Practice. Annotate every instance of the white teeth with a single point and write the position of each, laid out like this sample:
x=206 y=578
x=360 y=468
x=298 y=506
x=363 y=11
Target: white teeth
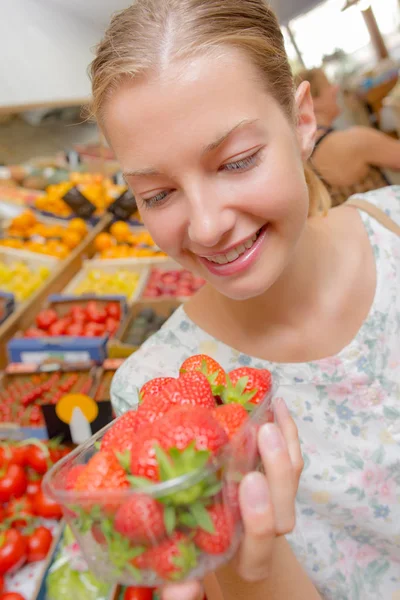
x=223 y=259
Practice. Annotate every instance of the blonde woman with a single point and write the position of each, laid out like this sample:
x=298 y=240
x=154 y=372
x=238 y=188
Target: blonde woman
x=349 y=161
x=197 y=100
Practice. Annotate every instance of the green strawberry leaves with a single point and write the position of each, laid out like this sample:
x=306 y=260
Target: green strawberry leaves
x=185 y=561
x=235 y=393
x=120 y=551
x=170 y=519
x=202 y=517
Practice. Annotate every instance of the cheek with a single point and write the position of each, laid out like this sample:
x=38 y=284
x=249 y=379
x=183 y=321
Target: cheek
x=165 y=227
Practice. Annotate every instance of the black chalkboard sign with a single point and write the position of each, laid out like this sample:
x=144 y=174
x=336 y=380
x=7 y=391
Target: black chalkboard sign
x=80 y=205
x=124 y=206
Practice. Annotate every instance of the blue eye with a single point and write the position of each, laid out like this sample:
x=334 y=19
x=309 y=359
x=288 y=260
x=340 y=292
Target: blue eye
x=241 y=165
x=155 y=199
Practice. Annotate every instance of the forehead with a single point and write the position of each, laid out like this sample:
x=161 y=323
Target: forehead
x=189 y=101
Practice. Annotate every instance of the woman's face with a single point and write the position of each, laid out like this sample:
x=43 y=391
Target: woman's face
x=216 y=168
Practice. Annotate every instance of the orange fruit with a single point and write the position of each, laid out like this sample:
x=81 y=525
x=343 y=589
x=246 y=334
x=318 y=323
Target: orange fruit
x=24 y=221
x=78 y=225
x=71 y=238
x=120 y=230
x=103 y=241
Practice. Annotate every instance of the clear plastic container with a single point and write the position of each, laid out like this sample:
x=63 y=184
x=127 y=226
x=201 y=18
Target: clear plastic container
x=185 y=550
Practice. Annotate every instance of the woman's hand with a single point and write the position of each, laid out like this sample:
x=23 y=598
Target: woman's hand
x=267 y=504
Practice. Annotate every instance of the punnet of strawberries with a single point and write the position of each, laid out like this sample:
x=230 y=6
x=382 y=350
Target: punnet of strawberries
x=154 y=496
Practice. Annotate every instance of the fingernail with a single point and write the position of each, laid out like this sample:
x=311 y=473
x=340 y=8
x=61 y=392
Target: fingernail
x=271 y=437
x=280 y=409
x=254 y=492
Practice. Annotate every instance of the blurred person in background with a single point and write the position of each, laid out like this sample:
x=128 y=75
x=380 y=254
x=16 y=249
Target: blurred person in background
x=349 y=161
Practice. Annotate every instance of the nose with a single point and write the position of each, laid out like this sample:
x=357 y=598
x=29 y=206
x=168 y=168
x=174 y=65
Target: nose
x=210 y=219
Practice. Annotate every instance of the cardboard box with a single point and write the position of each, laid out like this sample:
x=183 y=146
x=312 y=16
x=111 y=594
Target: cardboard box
x=64 y=348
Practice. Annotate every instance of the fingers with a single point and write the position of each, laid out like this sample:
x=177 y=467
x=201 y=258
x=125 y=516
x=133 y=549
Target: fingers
x=290 y=433
x=280 y=474
x=190 y=590
x=258 y=519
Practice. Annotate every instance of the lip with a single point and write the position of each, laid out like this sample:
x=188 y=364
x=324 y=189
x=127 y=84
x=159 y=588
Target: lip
x=244 y=261
x=226 y=250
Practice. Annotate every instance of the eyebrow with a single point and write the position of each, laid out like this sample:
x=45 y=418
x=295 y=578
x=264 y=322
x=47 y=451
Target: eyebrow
x=209 y=148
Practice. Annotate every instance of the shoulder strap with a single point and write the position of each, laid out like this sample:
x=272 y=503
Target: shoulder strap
x=376 y=213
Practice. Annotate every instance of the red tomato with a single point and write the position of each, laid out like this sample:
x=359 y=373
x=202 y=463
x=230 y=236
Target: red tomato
x=13 y=483
x=32 y=332
x=59 y=327
x=138 y=593
x=94 y=329
x=111 y=325
x=45 y=507
x=1 y=584
x=38 y=458
x=13 y=455
x=75 y=329
x=11 y=596
x=113 y=310
x=78 y=314
x=13 y=549
x=34 y=486
x=39 y=543
x=46 y=318
x=19 y=512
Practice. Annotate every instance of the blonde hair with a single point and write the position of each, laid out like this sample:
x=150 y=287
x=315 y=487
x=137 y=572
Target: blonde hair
x=150 y=33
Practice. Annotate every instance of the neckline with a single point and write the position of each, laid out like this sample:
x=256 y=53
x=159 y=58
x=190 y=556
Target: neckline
x=346 y=350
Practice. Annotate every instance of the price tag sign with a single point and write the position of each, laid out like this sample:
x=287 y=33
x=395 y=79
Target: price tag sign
x=79 y=204
x=124 y=206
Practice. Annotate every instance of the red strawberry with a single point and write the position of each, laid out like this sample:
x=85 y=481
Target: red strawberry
x=246 y=385
x=174 y=558
x=125 y=423
x=191 y=388
x=220 y=539
x=103 y=472
x=141 y=520
x=231 y=417
x=72 y=476
x=124 y=442
x=190 y=429
x=209 y=367
x=154 y=387
x=151 y=409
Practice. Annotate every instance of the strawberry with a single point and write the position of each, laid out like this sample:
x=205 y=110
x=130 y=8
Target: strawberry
x=209 y=367
x=125 y=423
x=141 y=520
x=153 y=387
x=124 y=442
x=183 y=440
x=72 y=476
x=231 y=417
x=151 y=409
x=191 y=388
x=246 y=386
x=103 y=472
x=174 y=558
x=218 y=541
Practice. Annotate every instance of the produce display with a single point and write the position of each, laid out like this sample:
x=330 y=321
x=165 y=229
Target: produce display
x=27 y=514
x=154 y=497
x=18 y=278
x=22 y=395
x=90 y=320
x=174 y=283
x=123 y=242
x=103 y=389
x=122 y=282
x=147 y=322
x=99 y=190
x=26 y=232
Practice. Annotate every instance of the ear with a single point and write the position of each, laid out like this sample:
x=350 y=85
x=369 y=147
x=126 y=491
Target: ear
x=306 y=123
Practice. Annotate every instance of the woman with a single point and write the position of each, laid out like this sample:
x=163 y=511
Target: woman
x=197 y=100
x=349 y=161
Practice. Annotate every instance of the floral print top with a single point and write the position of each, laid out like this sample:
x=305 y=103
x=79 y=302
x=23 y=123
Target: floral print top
x=347 y=409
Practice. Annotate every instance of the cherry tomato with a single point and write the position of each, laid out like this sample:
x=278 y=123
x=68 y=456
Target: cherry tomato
x=1 y=584
x=39 y=543
x=38 y=458
x=32 y=332
x=13 y=550
x=13 y=455
x=138 y=593
x=46 y=318
x=45 y=507
x=113 y=310
x=11 y=596
x=13 y=483
x=19 y=512
x=34 y=486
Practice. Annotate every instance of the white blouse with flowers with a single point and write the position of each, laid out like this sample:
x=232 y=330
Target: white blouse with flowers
x=347 y=409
